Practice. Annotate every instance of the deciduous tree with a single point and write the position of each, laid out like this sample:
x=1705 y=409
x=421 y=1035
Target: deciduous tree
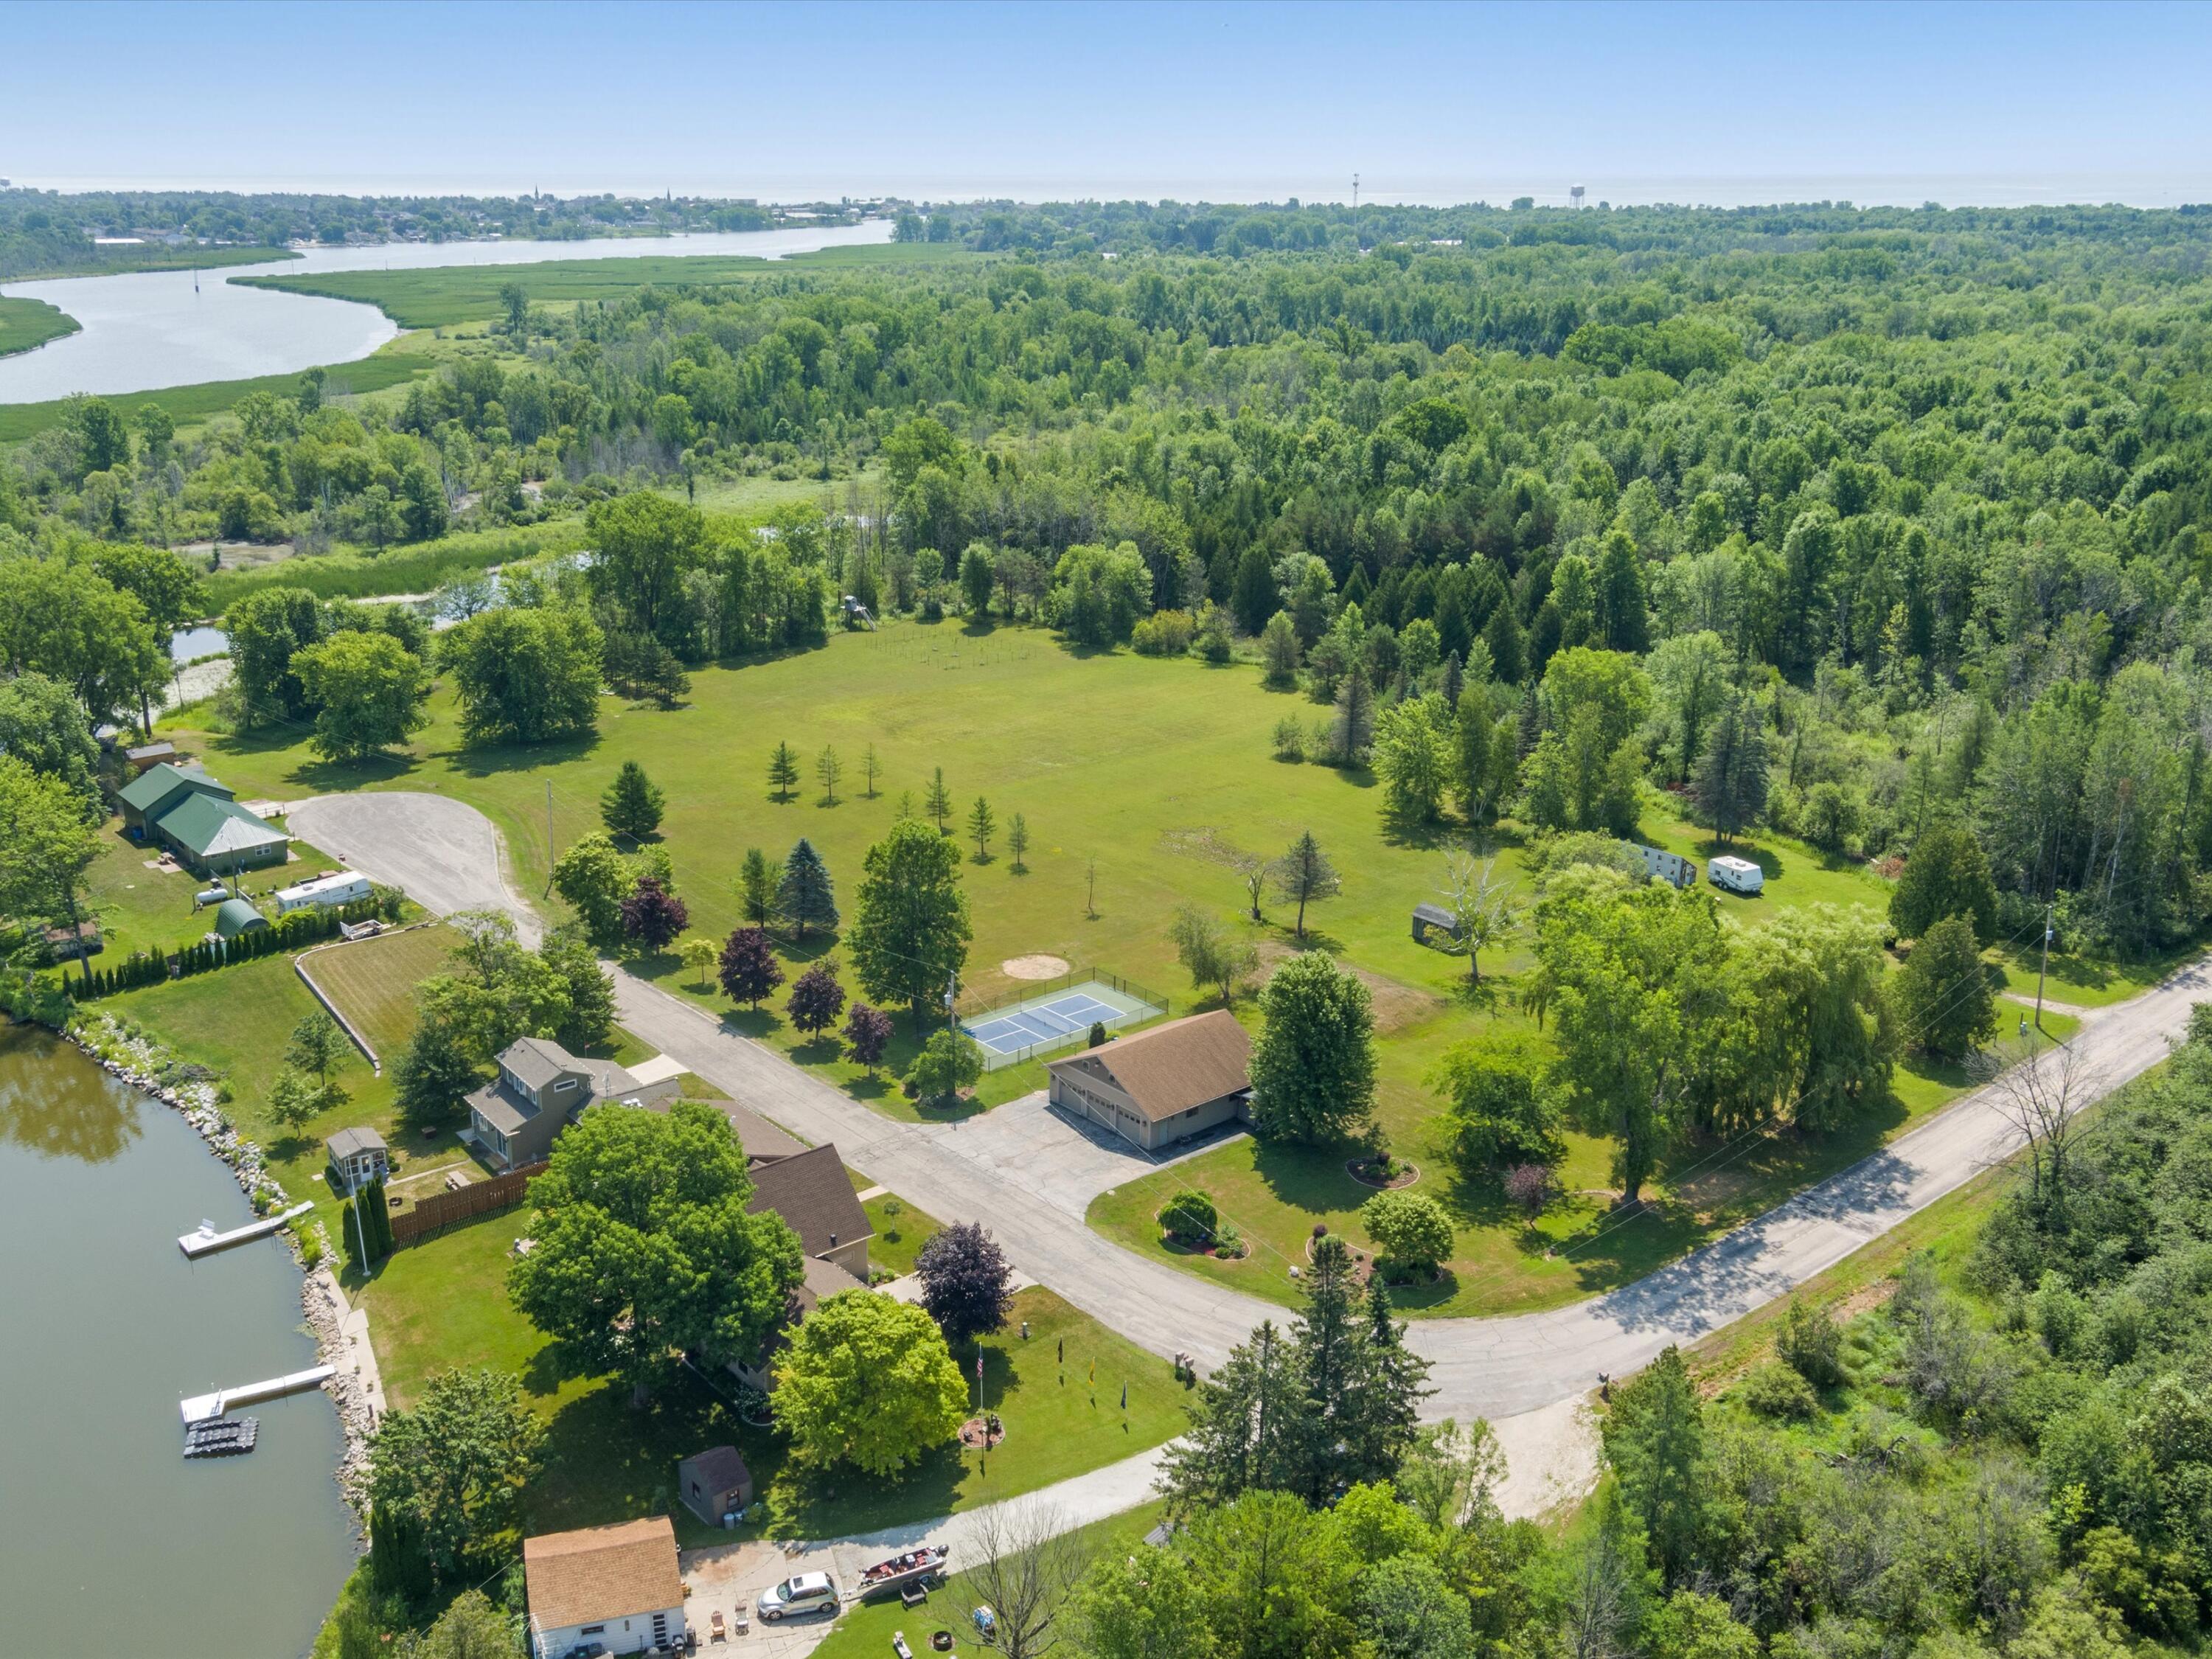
x=454 y=1464
x=526 y=673
x=652 y=916
x=868 y=1034
x=749 y=970
x=1943 y=997
x=757 y=882
x=47 y=842
x=867 y=1383
x=1209 y=955
x=645 y=1246
x=949 y=1062
x=967 y=1284
x=815 y=999
x=910 y=931
x=1313 y=1065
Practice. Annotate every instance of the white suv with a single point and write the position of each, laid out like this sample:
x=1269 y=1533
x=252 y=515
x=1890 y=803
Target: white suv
x=799 y=1596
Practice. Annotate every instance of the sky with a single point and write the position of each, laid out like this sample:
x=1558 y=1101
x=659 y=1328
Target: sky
x=1725 y=104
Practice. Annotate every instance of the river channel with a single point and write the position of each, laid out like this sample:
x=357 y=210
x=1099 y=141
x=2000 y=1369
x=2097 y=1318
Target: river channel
x=110 y=1541
x=151 y=329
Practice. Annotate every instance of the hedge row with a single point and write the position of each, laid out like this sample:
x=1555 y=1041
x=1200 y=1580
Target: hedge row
x=288 y=933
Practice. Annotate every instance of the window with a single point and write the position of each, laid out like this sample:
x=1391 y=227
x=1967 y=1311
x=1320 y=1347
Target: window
x=592 y=1630
x=564 y=1085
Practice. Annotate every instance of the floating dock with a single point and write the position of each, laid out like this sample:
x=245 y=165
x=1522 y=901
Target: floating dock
x=203 y=1408
x=232 y=1437
x=206 y=1241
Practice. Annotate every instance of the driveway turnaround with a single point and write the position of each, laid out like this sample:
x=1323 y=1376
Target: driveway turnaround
x=1022 y=1179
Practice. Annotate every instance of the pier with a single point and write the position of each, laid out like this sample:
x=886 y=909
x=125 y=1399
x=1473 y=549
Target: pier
x=205 y=1241
x=201 y=1407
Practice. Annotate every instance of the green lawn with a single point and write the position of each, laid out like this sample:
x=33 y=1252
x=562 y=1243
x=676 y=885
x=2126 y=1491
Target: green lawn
x=901 y=1231
x=25 y=325
x=443 y=1304
x=140 y=909
x=186 y=403
x=865 y=1632
x=1161 y=773
x=441 y=296
x=372 y=981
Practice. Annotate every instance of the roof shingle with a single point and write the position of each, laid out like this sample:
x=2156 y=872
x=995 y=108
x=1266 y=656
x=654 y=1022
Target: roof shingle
x=1174 y=1067
x=597 y=1573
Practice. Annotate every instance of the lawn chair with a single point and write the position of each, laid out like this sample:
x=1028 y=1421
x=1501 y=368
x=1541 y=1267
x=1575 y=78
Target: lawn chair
x=744 y=1618
x=715 y=1626
x=899 y=1646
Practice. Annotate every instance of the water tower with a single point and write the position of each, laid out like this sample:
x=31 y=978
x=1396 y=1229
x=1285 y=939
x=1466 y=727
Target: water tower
x=1575 y=195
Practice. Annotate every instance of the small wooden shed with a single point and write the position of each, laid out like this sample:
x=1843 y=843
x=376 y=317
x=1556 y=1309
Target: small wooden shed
x=714 y=1483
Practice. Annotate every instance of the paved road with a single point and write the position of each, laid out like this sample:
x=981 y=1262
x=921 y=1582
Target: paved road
x=1490 y=1368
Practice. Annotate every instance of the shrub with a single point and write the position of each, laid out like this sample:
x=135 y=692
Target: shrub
x=1777 y=1391
x=1811 y=1345
x=1289 y=738
x=1227 y=1244
x=1165 y=634
x=1191 y=1217
x=1408 y=1230
x=1529 y=1187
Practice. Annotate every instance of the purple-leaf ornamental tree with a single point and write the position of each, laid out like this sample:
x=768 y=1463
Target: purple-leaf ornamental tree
x=652 y=916
x=749 y=970
x=966 y=1285
x=816 y=999
x=868 y=1034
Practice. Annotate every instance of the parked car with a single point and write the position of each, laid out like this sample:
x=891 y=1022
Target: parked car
x=799 y=1596
x=1736 y=875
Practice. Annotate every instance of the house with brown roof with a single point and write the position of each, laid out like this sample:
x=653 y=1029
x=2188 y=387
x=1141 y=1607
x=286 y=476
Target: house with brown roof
x=813 y=1192
x=1161 y=1086
x=605 y=1589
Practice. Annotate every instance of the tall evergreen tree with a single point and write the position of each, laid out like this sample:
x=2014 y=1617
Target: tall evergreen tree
x=1305 y=876
x=782 y=770
x=938 y=801
x=1250 y=1428
x=1729 y=790
x=757 y=881
x=632 y=805
x=1655 y=1438
x=1254 y=598
x=1620 y=601
x=805 y=898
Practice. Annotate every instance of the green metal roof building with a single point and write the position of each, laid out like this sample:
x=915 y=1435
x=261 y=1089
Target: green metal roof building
x=235 y=916
x=156 y=790
x=218 y=837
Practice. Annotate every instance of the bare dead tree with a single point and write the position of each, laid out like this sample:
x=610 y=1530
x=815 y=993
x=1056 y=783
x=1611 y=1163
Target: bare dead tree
x=2044 y=1096
x=1024 y=1561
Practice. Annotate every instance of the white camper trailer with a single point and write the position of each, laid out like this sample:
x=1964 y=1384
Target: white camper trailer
x=323 y=893
x=1736 y=875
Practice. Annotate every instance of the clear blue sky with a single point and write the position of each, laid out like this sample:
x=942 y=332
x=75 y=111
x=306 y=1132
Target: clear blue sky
x=1983 y=102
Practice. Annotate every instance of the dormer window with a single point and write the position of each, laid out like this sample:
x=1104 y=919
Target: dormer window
x=564 y=1085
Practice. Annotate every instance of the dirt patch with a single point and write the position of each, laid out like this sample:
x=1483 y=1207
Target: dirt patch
x=1865 y=1299
x=1206 y=844
x=1708 y=1195
x=1396 y=1005
x=1039 y=966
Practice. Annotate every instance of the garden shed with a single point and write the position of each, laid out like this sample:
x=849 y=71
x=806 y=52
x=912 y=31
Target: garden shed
x=714 y=1483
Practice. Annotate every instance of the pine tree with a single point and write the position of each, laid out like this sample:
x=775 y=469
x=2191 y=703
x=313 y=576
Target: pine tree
x=938 y=803
x=1248 y=1428
x=805 y=898
x=783 y=771
x=1018 y=841
x=1303 y=876
x=980 y=825
x=1728 y=791
x=756 y=886
x=632 y=805
x=871 y=769
x=1455 y=680
x=1508 y=654
x=829 y=768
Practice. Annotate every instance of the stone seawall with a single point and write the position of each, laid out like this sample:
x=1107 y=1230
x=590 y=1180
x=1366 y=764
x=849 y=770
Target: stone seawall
x=142 y=1063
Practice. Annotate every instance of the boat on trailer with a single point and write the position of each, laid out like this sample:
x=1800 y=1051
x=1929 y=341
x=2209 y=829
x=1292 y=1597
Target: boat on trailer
x=916 y=1570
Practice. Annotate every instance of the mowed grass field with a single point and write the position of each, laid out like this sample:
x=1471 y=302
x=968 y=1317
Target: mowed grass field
x=1144 y=783
x=442 y=296
x=372 y=981
x=25 y=325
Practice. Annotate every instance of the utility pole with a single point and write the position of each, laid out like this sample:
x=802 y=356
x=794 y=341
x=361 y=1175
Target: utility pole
x=1355 y=195
x=2044 y=968
x=549 y=835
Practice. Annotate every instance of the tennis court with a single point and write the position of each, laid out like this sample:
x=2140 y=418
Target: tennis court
x=1055 y=1020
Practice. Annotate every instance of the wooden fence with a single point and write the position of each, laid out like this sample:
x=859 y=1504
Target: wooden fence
x=442 y=1210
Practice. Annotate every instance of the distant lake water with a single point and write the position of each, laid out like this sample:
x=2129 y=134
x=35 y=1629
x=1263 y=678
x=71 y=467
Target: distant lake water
x=110 y=1541
x=151 y=329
